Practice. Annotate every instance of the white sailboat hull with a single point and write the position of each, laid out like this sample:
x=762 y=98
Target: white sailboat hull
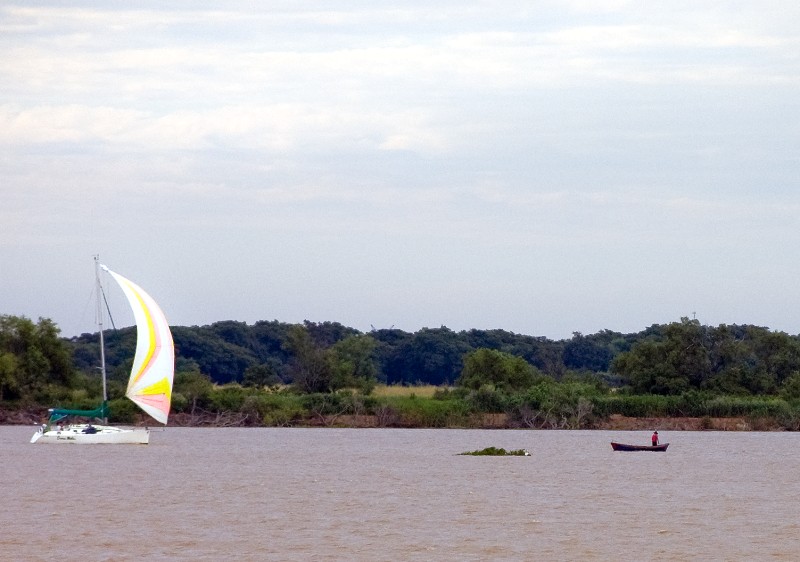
x=105 y=434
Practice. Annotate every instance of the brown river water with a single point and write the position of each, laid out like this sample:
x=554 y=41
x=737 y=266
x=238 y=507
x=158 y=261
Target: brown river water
x=394 y=494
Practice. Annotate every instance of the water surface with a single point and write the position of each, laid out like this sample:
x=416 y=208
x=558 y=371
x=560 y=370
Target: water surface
x=392 y=494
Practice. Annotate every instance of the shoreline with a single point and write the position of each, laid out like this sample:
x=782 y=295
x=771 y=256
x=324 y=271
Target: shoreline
x=615 y=422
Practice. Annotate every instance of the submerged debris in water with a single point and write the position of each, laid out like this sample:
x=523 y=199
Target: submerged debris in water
x=495 y=452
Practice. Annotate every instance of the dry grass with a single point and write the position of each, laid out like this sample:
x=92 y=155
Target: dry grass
x=423 y=391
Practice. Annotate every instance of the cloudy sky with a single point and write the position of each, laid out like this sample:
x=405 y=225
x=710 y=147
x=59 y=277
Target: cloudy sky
x=540 y=167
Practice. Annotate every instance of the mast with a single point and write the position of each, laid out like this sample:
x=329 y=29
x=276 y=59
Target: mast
x=99 y=290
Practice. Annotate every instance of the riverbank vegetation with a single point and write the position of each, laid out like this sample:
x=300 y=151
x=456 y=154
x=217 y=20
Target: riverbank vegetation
x=276 y=374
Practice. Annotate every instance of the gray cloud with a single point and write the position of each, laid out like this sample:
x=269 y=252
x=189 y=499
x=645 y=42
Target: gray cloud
x=541 y=168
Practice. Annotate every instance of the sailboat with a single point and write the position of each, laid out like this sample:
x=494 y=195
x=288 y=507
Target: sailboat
x=150 y=383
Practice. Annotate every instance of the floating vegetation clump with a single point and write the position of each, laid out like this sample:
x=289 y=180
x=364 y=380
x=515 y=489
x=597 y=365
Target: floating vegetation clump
x=495 y=452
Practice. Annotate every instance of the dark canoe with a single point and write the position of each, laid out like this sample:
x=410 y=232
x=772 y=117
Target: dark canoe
x=623 y=447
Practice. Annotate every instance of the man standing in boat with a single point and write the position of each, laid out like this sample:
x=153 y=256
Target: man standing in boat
x=654 y=438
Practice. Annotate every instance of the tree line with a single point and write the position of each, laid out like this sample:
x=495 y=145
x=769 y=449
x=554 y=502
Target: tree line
x=685 y=366
x=320 y=357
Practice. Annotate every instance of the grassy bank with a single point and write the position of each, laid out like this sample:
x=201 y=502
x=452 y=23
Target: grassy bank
x=547 y=406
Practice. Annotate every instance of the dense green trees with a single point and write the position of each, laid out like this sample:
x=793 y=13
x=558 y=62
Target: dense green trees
x=665 y=359
x=587 y=353
x=310 y=370
x=265 y=374
x=191 y=389
x=224 y=361
x=353 y=362
x=728 y=359
x=431 y=356
x=673 y=369
x=32 y=356
x=346 y=363
x=500 y=370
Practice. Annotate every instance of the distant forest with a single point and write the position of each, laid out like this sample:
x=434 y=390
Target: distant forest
x=662 y=359
x=272 y=373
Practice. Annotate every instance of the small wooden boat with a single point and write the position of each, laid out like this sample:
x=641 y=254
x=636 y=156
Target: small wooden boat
x=624 y=447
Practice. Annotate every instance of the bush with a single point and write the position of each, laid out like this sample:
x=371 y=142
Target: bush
x=635 y=405
x=416 y=412
x=228 y=398
x=324 y=404
x=692 y=404
x=274 y=409
x=488 y=400
x=124 y=411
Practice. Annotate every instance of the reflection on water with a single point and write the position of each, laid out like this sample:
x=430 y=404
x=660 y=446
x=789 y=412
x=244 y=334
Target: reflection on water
x=385 y=494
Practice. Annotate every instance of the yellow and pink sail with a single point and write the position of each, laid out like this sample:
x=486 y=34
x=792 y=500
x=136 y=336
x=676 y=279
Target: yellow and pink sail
x=150 y=384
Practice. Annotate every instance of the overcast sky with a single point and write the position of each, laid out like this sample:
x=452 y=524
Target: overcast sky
x=539 y=167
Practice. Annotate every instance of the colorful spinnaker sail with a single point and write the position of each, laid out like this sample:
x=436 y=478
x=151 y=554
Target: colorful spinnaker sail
x=150 y=384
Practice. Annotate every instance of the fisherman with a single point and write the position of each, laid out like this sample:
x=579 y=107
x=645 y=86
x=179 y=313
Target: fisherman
x=654 y=438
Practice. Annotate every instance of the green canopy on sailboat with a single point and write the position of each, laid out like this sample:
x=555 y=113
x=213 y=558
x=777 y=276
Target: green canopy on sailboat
x=60 y=413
